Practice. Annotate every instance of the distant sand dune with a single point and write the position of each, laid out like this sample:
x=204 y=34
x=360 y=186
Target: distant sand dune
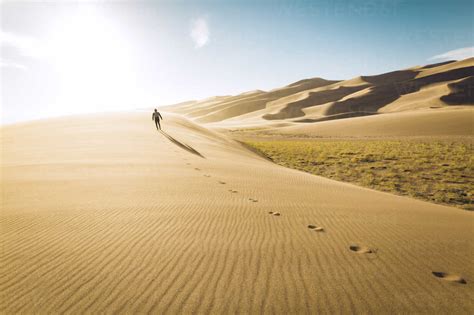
x=212 y=110
x=425 y=122
x=103 y=214
x=315 y=100
x=462 y=92
x=294 y=109
x=390 y=77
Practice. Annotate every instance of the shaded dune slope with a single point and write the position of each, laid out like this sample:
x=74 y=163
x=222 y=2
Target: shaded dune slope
x=462 y=92
x=103 y=214
x=212 y=110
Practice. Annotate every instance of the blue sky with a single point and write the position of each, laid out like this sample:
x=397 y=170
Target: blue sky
x=72 y=56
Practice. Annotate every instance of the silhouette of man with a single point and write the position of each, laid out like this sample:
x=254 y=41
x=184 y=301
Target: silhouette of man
x=156 y=117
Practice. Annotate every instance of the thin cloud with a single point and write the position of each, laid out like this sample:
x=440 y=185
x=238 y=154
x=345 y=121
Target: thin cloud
x=457 y=54
x=200 y=32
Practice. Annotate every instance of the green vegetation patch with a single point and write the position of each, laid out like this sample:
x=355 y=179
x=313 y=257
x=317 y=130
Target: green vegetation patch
x=437 y=171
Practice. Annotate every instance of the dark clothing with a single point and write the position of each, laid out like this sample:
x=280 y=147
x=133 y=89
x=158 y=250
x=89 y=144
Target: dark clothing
x=156 y=116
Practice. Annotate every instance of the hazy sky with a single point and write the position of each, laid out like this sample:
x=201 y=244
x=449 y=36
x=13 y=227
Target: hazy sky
x=80 y=56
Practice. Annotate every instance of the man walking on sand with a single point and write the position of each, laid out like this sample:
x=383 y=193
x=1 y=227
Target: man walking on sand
x=156 y=117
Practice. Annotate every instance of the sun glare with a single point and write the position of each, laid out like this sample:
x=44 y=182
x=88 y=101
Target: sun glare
x=94 y=62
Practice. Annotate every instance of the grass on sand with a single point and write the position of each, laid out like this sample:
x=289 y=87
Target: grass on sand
x=437 y=171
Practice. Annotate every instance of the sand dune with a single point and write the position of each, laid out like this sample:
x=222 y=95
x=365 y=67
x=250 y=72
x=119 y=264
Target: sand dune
x=461 y=92
x=457 y=121
x=103 y=214
x=315 y=100
x=221 y=108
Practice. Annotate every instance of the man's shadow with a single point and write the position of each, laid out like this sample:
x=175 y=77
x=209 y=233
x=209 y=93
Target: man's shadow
x=180 y=144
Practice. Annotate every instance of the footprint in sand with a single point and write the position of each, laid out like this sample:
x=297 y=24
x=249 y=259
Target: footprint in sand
x=449 y=277
x=315 y=228
x=207 y=175
x=274 y=213
x=253 y=200
x=188 y=163
x=362 y=249
x=221 y=182
x=233 y=191
x=197 y=168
